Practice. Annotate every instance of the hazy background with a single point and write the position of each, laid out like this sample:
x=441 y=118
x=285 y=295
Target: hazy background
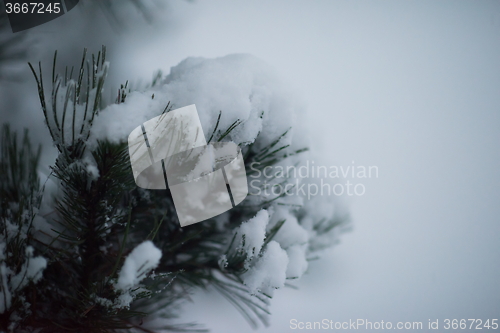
x=412 y=87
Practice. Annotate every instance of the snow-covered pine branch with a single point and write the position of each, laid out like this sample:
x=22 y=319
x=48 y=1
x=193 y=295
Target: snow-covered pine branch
x=102 y=235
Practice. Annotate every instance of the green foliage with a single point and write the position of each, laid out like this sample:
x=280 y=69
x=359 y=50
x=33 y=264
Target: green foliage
x=19 y=201
x=100 y=216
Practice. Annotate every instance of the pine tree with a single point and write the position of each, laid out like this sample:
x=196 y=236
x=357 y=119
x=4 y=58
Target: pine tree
x=67 y=270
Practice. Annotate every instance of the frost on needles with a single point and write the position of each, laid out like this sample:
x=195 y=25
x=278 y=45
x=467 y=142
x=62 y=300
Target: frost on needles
x=92 y=252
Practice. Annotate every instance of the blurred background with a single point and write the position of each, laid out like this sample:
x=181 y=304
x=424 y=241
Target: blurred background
x=412 y=87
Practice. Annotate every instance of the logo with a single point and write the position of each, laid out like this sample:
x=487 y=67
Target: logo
x=28 y=14
x=170 y=152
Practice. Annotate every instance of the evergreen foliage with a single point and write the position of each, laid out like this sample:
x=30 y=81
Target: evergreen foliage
x=100 y=216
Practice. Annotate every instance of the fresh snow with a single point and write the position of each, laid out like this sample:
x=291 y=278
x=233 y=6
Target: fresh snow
x=297 y=264
x=253 y=232
x=143 y=258
x=291 y=232
x=269 y=272
x=240 y=85
x=243 y=88
x=11 y=283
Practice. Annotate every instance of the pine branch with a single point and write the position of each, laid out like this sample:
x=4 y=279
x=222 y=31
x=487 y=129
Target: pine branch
x=101 y=217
